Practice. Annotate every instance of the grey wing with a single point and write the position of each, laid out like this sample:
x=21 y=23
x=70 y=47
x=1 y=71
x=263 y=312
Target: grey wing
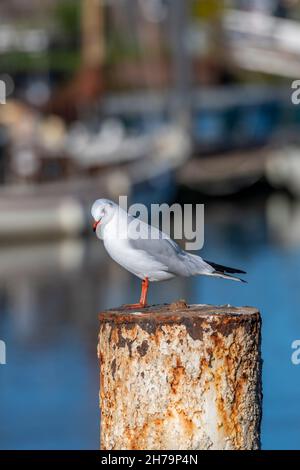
x=169 y=253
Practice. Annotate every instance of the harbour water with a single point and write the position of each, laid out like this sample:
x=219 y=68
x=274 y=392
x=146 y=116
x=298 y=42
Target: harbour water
x=50 y=294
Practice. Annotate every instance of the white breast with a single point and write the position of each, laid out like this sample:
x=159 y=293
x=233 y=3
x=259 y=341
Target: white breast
x=135 y=261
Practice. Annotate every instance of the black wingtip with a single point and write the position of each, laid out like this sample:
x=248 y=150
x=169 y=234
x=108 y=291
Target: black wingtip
x=225 y=269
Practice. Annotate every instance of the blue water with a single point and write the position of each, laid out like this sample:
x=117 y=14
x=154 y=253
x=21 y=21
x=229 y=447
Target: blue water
x=50 y=295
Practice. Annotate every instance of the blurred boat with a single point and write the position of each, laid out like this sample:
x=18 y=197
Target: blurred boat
x=226 y=173
x=264 y=43
x=54 y=175
x=236 y=132
x=283 y=170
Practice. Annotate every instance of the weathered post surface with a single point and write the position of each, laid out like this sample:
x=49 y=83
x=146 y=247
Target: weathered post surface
x=180 y=377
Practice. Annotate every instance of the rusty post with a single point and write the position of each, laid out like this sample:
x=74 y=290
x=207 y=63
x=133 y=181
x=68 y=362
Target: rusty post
x=180 y=377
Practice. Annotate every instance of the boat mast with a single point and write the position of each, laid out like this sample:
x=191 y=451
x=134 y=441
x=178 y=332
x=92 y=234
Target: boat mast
x=92 y=33
x=180 y=63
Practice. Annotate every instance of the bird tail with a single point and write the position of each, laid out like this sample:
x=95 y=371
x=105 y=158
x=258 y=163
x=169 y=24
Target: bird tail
x=225 y=272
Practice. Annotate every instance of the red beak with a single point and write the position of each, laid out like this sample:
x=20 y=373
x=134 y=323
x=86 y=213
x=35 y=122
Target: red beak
x=95 y=225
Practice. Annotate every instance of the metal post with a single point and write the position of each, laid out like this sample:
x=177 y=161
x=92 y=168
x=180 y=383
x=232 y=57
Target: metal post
x=180 y=377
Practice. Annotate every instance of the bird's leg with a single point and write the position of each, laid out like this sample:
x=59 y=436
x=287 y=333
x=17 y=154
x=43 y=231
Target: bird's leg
x=143 y=299
x=145 y=286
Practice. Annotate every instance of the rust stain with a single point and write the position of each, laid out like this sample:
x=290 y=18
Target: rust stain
x=143 y=348
x=101 y=357
x=113 y=368
x=194 y=328
x=229 y=414
x=138 y=436
x=177 y=375
x=226 y=326
x=114 y=335
x=187 y=424
x=123 y=342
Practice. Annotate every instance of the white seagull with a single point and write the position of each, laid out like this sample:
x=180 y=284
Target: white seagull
x=147 y=252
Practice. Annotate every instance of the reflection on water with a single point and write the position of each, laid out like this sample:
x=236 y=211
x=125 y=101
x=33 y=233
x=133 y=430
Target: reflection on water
x=50 y=295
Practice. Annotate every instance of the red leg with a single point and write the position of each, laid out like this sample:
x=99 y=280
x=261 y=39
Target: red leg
x=143 y=299
x=145 y=286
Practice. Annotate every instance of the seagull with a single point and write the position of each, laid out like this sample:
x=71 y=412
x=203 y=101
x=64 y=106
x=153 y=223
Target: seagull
x=146 y=252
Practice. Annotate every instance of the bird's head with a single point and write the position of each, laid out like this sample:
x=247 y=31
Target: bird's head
x=102 y=212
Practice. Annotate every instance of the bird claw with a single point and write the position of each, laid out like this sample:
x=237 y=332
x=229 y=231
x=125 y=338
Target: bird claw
x=133 y=306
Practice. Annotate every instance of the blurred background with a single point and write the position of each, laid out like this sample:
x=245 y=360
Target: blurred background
x=163 y=101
